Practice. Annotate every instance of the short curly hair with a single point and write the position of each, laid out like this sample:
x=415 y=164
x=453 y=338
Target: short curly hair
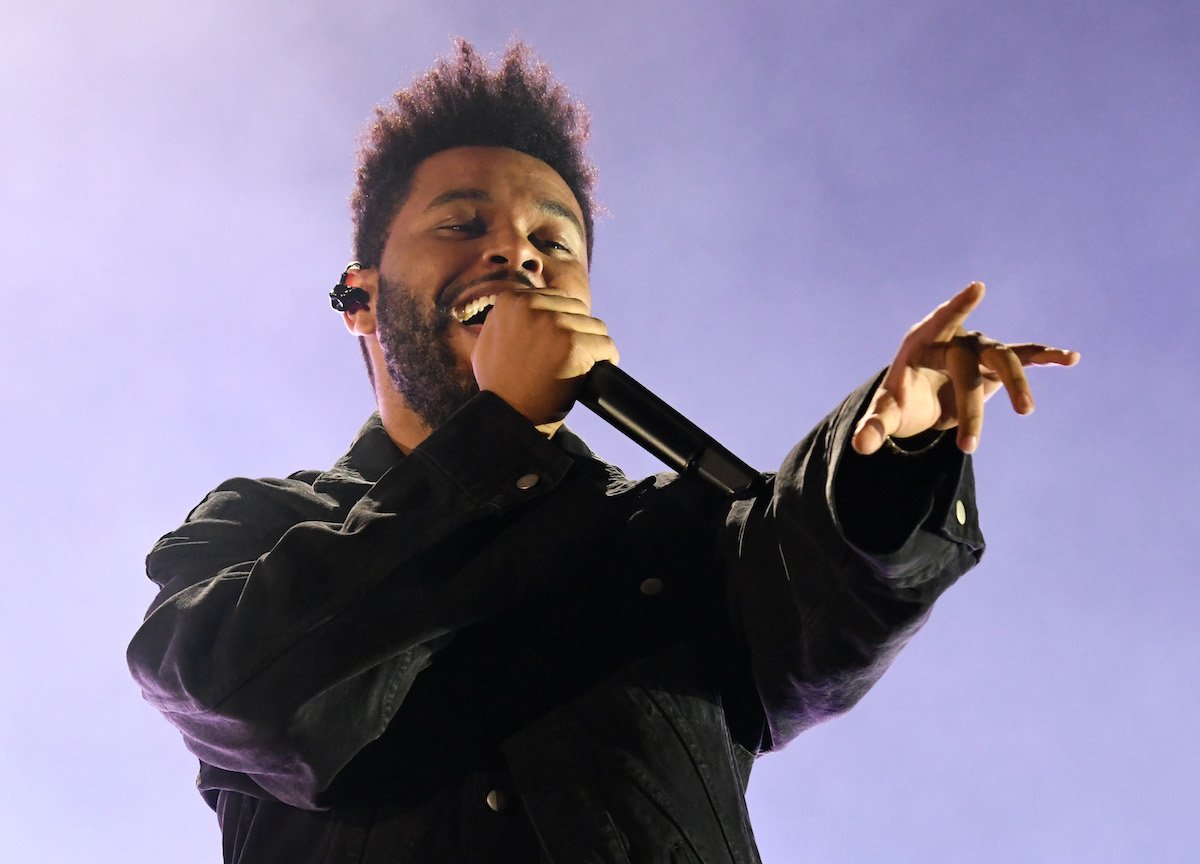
x=461 y=103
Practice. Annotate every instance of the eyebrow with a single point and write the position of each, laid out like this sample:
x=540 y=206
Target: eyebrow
x=545 y=205
x=554 y=208
x=459 y=195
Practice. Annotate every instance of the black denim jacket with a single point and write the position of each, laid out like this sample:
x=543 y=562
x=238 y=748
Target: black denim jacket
x=499 y=649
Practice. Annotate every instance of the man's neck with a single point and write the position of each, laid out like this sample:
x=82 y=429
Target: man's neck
x=402 y=424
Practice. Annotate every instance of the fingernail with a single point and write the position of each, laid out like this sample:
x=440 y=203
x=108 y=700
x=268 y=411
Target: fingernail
x=970 y=443
x=1025 y=403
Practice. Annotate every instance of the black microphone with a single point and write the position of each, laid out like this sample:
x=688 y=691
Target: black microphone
x=656 y=426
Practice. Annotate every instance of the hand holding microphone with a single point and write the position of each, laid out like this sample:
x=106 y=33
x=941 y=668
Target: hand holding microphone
x=535 y=348
x=559 y=342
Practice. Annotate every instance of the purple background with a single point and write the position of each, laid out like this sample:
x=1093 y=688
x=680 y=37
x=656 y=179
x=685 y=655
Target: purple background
x=789 y=186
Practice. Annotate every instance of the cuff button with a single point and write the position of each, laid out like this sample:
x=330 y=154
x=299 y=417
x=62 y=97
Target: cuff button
x=960 y=512
x=527 y=481
x=651 y=587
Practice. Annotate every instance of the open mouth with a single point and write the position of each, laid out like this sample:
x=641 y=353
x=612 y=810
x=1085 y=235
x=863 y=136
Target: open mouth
x=475 y=312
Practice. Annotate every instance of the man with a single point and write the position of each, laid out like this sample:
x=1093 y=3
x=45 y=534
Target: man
x=471 y=641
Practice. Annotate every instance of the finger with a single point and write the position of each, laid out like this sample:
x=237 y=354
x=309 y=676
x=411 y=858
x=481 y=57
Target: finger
x=947 y=319
x=969 y=395
x=568 y=313
x=880 y=421
x=532 y=299
x=1032 y=354
x=580 y=323
x=588 y=350
x=554 y=302
x=1004 y=362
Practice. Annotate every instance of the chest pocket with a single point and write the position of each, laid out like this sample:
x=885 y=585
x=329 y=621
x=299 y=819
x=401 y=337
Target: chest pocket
x=662 y=567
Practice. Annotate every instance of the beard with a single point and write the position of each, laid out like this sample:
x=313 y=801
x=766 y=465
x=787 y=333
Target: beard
x=420 y=360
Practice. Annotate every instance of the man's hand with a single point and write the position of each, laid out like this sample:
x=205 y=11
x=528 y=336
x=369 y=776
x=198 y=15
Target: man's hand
x=534 y=350
x=942 y=375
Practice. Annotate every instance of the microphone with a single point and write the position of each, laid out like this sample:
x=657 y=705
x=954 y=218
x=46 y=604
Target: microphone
x=652 y=423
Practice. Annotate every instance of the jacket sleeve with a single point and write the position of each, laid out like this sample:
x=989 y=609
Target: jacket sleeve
x=836 y=565
x=280 y=649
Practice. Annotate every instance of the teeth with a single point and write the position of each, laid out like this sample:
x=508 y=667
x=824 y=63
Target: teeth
x=473 y=308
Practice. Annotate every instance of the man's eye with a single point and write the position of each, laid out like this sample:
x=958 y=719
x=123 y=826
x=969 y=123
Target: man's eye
x=551 y=243
x=470 y=226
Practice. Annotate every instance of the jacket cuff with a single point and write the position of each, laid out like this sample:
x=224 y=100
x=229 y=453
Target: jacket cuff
x=898 y=508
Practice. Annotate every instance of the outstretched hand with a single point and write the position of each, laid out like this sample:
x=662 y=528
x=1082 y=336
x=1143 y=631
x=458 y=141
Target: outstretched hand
x=943 y=374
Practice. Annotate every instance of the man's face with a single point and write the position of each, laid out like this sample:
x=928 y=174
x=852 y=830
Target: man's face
x=478 y=221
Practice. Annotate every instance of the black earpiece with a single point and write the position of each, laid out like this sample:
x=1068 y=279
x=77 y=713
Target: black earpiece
x=343 y=298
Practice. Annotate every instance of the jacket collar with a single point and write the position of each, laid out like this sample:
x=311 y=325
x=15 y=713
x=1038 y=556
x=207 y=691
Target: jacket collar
x=369 y=457
x=373 y=453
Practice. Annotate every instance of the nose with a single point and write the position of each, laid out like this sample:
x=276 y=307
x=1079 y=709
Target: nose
x=515 y=250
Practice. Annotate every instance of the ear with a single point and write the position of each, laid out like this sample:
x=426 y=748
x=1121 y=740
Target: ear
x=361 y=322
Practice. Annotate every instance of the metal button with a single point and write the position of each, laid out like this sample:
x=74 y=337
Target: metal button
x=496 y=800
x=960 y=512
x=527 y=481
x=651 y=586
